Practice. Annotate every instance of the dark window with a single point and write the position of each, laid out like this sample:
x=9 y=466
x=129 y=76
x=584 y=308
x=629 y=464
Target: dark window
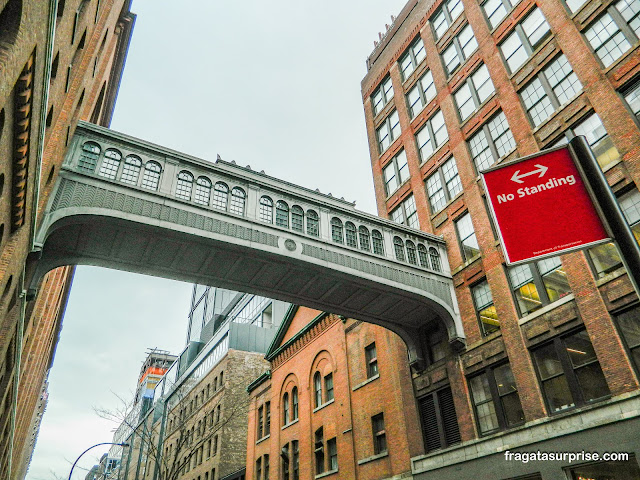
x=629 y=327
x=285 y=409
x=297 y=218
x=365 y=241
x=439 y=420
x=351 y=235
x=89 y=157
x=267 y=418
x=336 y=230
x=282 y=214
x=379 y=434
x=569 y=372
x=260 y=422
x=328 y=385
x=332 y=449
x=313 y=223
x=378 y=242
x=317 y=389
x=296 y=460
x=618 y=470
x=294 y=403
x=372 y=360
x=259 y=469
x=266 y=467
x=286 y=461
x=266 y=209
x=496 y=400
x=319 y=451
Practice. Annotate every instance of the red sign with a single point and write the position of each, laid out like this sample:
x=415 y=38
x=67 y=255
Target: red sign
x=541 y=207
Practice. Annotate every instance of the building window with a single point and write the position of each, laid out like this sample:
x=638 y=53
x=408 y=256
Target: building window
x=131 y=170
x=435 y=345
x=332 y=449
x=467 y=238
x=395 y=173
x=398 y=247
x=267 y=418
x=89 y=157
x=184 y=185
x=569 y=371
x=388 y=131
x=328 y=386
x=553 y=87
x=613 y=33
x=475 y=90
x=485 y=309
x=525 y=38
x=313 y=223
x=629 y=327
x=382 y=95
x=574 y=5
x=336 y=230
x=259 y=469
x=319 y=451
x=282 y=214
x=266 y=467
x=421 y=94
x=379 y=434
x=538 y=284
x=294 y=403
x=317 y=389
x=296 y=460
x=612 y=470
x=630 y=205
x=496 y=10
x=365 y=239
x=203 y=191
x=460 y=48
x=237 y=201
x=495 y=399
x=260 y=422
x=492 y=142
x=447 y=14
x=412 y=58
x=110 y=164
x=266 y=209
x=378 y=242
x=372 y=360
x=151 y=176
x=632 y=97
x=443 y=185
x=432 y=136
x=435 y=259
x=297 y=219
x=600 y=142
x=284 y=455
x=220 y=196
x=351 y=235
x=406 y=214
x=439 y=420
x=285 y=409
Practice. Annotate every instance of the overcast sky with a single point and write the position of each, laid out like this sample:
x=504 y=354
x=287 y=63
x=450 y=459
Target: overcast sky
x=270 y=84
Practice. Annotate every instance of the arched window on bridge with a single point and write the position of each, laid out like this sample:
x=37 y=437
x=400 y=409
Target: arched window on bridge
x=435 y=259
x=131 y=170
x=313 y=223
x=365 y=240
x=411 y=253
x=203 y=191
x=398 y=247
x=110 y=164
x=378 y=242
x=89 y=157
x=184 y=186
x=220 y=196
x=282 y=214
x=151 y=177
x=297 y=218
x=336 y=230
x=352 y=237
x=237 y=201
x=422 y=256
x=266 y=209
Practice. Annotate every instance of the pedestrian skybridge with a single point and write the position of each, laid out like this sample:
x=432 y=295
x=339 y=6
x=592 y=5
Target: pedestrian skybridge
x=123 y=203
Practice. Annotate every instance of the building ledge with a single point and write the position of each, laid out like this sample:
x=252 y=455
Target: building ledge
x=326 y=474
x=368 y=380
x=547 y=308
x=324 y=405
x=621 y=408
x=289 y=424
x=263 y=439
x=373 y=458
x=611 y=276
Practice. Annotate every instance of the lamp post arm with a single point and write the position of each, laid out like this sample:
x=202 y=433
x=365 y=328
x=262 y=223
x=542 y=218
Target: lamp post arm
x=96 y=445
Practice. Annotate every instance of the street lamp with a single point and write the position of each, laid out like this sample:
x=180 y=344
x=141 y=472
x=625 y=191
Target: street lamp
x=96 y=445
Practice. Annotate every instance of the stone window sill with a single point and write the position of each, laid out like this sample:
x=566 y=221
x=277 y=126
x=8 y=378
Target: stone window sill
x=368 y=380
x=373 y=458
x=289 y=424
x=322 y=406
x=326 y=474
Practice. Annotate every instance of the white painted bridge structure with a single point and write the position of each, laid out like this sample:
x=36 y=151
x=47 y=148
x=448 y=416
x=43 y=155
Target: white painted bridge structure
x=123 y=203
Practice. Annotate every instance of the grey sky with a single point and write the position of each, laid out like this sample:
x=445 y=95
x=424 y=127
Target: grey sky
x=274 y=85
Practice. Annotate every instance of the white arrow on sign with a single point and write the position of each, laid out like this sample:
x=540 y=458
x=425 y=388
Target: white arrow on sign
x=541 y=170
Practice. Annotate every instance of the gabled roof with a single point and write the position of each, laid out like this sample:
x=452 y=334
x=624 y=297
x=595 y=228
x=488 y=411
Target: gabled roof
x=276 y=345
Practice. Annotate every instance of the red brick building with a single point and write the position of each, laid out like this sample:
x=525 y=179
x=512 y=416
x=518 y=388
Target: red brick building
x=60 y=62
x=335 y=403
x=552 y=358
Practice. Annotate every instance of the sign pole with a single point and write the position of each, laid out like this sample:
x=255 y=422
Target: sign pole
x=612 y=215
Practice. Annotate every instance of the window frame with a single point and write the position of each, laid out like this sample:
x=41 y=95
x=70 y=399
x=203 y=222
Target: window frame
x=371 y=359
x=401 y=210
x=459 y=49
x=445 y=10
x=379 y=433
x=393 y=131
x=525 y=42
x=479 y=308
x=629 y=35
x=422 y=95
x=466 y=256
x=410 y=53
x=444 y=185
x=398 y=172
x=432 y=137
x=469 y=82
x=386 y=95
x=492 y=147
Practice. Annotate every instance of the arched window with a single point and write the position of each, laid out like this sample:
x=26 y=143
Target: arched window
x=238 y=198
x=398 y=247
x=203 y=191
x=297 y=219
x=411 y=253
x=422 y=256
x=220 y=196
x=313 y=223
x=317 y=389
x=266 y=209
x=378 y=243
x=352 y=238
x=282 y=214
x=294 y=403
x=151 y=177
x=435 y=259
x=365 y=240
x=184 y=186
x=285 y=409
x=336 y=230
x=131 y=170
x=89 y=157
x=110 y=164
